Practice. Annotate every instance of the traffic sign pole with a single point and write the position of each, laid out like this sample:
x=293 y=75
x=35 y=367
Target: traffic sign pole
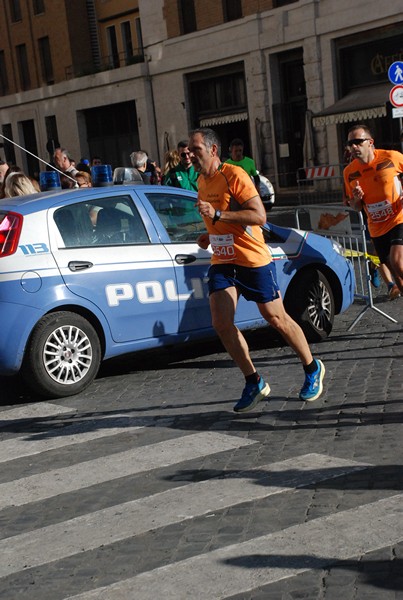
x=395 y=74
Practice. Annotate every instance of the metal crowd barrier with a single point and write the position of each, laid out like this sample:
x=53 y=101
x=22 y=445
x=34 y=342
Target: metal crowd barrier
x=321 y=184
x=347 y=227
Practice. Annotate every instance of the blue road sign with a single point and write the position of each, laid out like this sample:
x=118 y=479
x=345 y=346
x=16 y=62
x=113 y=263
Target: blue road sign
x=395 y=72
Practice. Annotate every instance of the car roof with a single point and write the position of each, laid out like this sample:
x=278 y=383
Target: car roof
x=43 y=200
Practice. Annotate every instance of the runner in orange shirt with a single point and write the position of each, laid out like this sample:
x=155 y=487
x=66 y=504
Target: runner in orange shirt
x=241 y=264
x=372 y=182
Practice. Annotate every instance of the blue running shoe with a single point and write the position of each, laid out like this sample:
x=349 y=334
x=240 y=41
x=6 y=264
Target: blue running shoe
x=313 y=387
x=375 y=279
x=251 y=395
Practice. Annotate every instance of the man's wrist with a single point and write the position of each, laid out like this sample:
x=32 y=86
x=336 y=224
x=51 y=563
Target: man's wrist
x=356 y=203
x=217 y=216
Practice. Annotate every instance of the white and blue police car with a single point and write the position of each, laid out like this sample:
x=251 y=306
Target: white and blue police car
x=91 y=274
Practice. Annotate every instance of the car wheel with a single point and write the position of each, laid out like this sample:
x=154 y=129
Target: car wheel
x=63 y=355
x=310 y=302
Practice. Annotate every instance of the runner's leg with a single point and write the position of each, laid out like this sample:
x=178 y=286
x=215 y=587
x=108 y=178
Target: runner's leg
x=223 y=305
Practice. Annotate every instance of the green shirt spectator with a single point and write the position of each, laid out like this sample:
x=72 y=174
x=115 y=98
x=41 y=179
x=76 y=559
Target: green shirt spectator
x=237 y=158
x=183 y=175
x=248 y=165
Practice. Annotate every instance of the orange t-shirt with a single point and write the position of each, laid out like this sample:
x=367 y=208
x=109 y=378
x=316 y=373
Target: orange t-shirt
x=227 y=190
x=382 y=187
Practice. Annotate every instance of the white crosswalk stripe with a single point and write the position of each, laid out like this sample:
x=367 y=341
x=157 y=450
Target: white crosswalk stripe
x=107 y=468
x=85 y=431
x=220 y=573
x=139 y=516
x=39 y=410
x=240 y=568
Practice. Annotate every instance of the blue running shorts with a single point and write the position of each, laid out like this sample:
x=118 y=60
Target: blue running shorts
x=257 y=284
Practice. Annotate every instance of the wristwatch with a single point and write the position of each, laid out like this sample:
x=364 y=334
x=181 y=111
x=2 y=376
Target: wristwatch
x=217 y=216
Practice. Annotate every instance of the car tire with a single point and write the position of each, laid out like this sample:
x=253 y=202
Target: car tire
x=310 y=302
x=63 y=355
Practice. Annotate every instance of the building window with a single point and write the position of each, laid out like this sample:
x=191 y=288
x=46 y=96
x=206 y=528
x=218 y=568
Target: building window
x=225 y=93
x=232 y=10
x=46 y=60
x=15 y=9
x=127 y=41
x=187 y=16
x=278 y=3
x=38 y=6
x=112 y=47
x=3 y=75
x=25 y=80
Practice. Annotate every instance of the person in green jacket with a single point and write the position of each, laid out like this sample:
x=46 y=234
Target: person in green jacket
x=237 y=158
x=183 y=175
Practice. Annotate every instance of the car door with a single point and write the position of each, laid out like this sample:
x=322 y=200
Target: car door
x=106 y=255
x=183 y=224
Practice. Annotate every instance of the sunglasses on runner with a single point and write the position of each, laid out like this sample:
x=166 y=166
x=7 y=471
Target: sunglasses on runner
x=357 y=142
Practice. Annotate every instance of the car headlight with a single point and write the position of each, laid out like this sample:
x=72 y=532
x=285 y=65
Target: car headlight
x=338 y=248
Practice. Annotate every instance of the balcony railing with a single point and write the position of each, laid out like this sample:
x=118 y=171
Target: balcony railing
x=105 y=63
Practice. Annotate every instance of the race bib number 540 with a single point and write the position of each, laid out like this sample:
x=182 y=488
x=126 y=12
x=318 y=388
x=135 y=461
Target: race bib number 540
x=223 y=246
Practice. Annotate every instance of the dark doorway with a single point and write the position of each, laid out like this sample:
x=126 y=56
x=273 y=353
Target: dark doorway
x=112 y=132
x=289 y=117
x=228 y=131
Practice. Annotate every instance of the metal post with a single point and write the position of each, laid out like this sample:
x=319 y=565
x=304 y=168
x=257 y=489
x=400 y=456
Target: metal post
x=356 y=245
x=369 y=298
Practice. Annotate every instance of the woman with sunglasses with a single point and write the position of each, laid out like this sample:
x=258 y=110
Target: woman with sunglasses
x=372 y=182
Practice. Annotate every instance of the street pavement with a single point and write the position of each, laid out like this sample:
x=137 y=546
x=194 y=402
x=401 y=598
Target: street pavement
x=149 y=486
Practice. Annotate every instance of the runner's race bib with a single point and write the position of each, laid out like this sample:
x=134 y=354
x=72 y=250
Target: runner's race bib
x=223 y=246
x=380 y=211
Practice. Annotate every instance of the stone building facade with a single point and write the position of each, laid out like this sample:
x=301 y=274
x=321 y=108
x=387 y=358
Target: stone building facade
x=106 y=77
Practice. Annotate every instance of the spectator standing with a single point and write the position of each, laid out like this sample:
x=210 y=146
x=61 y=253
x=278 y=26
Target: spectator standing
x=18 y=184
x=96 y=160
x=12 y=169
x=372 y=182
x=238 y=159
x=183 y=175
x=171 y=160
x=67 y=183
x=153 y=171
x=139 y=162
x=156 y=176
x=84 y=165
x=83 y=179
x=3 y=170
x=242 y=264
x=63 y=162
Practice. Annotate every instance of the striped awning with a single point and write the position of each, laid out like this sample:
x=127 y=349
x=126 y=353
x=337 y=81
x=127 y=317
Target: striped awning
x=223 y=119
x=359 y=105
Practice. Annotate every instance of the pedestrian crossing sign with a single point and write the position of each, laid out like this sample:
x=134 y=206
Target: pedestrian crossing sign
x=395 y=72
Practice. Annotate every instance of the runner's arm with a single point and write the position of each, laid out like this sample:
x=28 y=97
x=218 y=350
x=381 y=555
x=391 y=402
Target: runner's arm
x=251 y=212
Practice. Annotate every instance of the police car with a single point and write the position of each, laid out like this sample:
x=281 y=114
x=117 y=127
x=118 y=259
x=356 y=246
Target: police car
x=90 y=274
x=266 y=191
